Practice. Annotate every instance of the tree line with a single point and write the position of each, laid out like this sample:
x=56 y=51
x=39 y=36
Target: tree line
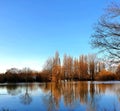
x=83 y=68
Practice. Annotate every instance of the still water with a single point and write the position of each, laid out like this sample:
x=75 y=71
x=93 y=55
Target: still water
x=69 y=96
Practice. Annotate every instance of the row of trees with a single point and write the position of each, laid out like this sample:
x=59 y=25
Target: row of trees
x=85 y=67
x=82 y=68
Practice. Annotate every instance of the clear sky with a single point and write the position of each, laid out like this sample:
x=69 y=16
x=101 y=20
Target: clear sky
x=32 y=30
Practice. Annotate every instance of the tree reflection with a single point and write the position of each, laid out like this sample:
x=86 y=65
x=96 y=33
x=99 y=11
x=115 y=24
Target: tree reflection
x=74 y=93
x=6 y=109
x=48 y=98
x=92 y=102
x=83 y=92
x=117 y=91
x=13 y=89
x=68 y=94
x=71 y=92
x=26 y=99
x=53 y=95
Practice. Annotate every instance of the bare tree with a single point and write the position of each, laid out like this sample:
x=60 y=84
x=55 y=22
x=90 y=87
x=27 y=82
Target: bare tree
x=65 y=72
x=56 y=60
x=70 y=67
x=106 y=36
x=92 y=65
x=56 y=70
x=26 y=71
x=118 y=70
x=48 y=65
x=83 y=66
x=76 y=69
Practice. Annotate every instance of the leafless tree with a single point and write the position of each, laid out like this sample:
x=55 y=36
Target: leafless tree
x=48 y=65
x=92 y=65
x=106 y=36
x=118 y=70
x=83 y=66
x=56 y=69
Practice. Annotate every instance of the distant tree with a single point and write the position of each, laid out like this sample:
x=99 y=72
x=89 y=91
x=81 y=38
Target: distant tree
x=11 y=75
x=106 y=36
x=100 y=66
x=56 y=69
x=56 y=59
x=76 y=69
x=83 y=66
x=118 y=70
x=64 y=68
x=27 y=73
x=70 y=67
x=48 y=66
x=12 y=71
x=92 y=65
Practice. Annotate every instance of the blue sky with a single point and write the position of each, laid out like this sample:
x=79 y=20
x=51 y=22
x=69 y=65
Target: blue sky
x=32 y=30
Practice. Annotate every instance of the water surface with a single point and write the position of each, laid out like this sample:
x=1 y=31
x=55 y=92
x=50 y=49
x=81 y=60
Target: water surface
x=69 y=96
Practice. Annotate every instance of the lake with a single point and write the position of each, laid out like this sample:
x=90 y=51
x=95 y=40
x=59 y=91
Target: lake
x=68 y=96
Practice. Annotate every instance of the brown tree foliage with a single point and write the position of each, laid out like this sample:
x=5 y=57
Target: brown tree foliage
x=92 y=65
x=85 y=68
x=56 y=69
x=118 y=69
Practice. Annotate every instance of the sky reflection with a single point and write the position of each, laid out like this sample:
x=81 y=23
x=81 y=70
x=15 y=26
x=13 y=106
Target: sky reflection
x=71 y=96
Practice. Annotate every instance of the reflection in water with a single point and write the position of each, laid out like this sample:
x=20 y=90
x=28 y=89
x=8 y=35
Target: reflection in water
x=49 y=100
x=26 y=99
x=89 y=94
x=68 y=96
x=13 y=89
x=92 y=104
x=52 y=97
x=5 y=109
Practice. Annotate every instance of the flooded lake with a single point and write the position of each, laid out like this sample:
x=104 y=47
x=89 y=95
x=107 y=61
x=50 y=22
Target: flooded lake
x=68 y=96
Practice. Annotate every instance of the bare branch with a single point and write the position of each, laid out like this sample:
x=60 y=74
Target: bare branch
x=106 y=34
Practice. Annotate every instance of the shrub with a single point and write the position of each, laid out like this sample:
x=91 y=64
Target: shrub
x=105 y=75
